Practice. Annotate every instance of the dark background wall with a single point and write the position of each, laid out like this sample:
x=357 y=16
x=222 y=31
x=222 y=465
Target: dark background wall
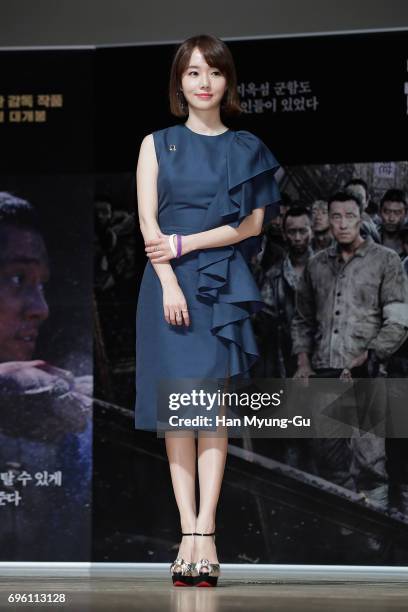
x=99 y=22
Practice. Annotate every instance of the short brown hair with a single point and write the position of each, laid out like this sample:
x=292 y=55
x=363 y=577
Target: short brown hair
x=217 y=55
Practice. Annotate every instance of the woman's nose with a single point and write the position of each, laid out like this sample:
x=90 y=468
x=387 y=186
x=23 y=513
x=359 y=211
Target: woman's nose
x=36 y=305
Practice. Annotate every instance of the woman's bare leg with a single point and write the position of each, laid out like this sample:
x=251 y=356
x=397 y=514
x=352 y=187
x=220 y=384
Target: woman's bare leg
x=212 y=454
x=182 y=455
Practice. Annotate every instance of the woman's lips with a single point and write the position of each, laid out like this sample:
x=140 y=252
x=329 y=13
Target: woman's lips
x=29 y=338
x=27 y=344
x=204 y=96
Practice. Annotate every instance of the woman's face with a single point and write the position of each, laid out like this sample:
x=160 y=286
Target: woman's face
x=24 y=270
x=203 y=85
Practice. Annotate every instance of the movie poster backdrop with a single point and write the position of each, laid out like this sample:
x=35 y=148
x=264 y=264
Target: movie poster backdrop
x=46 y=305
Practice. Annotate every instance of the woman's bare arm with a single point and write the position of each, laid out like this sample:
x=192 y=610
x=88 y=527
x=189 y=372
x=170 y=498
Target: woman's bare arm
x=225 y=234
x=146 y=181
x=174 y=303
x=158 y=249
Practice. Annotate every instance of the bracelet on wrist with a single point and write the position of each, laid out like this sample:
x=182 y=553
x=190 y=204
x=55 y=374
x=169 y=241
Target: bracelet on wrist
x=179 y=246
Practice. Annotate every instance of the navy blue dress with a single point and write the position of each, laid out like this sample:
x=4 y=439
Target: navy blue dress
x=203 y=182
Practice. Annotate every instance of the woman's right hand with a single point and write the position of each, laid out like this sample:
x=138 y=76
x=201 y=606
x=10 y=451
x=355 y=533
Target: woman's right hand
x=175 y=305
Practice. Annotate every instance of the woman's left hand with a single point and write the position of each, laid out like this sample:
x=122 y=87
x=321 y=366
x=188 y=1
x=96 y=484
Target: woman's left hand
x=158 y=250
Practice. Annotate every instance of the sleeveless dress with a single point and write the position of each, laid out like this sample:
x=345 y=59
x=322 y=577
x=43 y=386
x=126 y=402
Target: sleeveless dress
x=203 y=182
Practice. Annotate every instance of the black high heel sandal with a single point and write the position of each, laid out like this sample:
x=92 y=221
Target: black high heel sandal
x=182 y=572
x=208 y=578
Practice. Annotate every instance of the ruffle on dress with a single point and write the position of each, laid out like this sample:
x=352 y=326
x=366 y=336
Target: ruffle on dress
x=225 y=279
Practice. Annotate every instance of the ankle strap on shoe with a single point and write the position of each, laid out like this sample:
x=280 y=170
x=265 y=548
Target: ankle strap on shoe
x=186 y=534
x=205 y=534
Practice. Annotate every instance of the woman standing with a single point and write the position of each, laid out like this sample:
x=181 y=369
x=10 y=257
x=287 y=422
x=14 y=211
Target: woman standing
x=202 y=193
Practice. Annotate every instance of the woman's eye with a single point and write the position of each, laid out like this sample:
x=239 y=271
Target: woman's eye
x=17 y=280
